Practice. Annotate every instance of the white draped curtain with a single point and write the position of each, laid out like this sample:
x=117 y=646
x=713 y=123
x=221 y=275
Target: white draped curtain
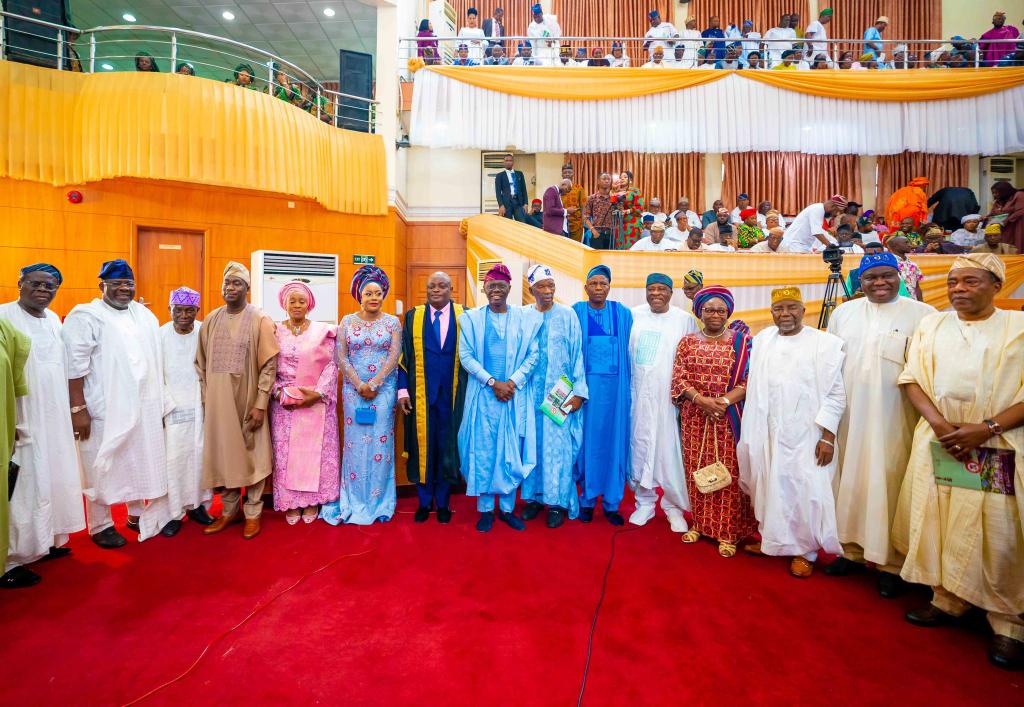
x=729 y=115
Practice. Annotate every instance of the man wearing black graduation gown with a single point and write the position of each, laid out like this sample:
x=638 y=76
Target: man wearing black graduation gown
x=431 y=393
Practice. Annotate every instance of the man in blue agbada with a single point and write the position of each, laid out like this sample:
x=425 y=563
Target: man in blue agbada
x=603 y=460
x=497 y=439
x=560 y=355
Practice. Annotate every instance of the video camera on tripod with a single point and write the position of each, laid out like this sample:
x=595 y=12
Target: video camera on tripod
x=833 y=257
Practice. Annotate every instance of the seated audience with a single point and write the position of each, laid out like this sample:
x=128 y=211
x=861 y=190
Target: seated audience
x=144 y=61
x=656 y=241
x=755 y=61
x=464 y=58
x=618 y=58
x=994 y=242
x=525 y=57
x=935 y=243
x=968 y=235
x=185 y=69
x=657 y=60
x=244 y=75
x=536 y=216
x=497 y=56
x=769 y=244
x=597 y=58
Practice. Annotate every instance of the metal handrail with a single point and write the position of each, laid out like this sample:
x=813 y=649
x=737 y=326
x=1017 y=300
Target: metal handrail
x=369 y=104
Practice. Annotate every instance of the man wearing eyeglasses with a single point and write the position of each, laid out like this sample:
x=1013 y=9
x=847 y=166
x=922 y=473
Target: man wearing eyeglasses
x=46 y=504
x=116 y=395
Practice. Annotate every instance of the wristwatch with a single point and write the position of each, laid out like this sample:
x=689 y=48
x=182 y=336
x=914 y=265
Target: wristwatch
x=490 y=382
x=994 y=427
x=373 y=386
x=79 y=408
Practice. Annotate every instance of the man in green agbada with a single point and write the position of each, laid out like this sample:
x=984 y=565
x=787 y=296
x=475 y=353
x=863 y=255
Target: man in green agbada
x=14 y=348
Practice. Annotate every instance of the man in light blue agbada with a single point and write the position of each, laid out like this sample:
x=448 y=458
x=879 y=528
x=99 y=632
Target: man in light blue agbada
x=603 y=461
x=497 y=439
x=560 y=355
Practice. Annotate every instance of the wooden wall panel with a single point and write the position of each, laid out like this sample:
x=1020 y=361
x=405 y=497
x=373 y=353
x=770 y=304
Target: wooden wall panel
x=40 y=224
x=433 y=246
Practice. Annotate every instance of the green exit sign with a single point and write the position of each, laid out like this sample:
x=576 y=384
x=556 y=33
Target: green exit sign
x=364 y=259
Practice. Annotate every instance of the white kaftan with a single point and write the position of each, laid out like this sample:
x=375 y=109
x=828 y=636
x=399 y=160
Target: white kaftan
x=183 y=433
x=656 y=457
x=664 y=30
x=118 y=353
x=794 y=391
x=545 y=48
x=878 y=428
x=47 y=502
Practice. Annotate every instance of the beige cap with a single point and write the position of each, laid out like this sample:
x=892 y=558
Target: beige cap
x=657 y=226
x=882 y=18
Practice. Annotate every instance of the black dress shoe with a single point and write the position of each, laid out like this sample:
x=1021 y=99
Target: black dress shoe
x=132 y=525
x=486 y=521
x=890 y=586
x=444 y=515
x=57 y=552
x=109 y=539
x=928 y=616
x=422 y=513
x=19 y=578
x=200 y=515
x=840 y=567
x=614 y=517
x=171 y=529
x=532 y=510
x=511 y=520
x=586 y=515
x=1006 y=653
x=556 y=516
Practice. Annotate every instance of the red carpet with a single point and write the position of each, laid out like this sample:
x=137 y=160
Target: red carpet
x=442 y=615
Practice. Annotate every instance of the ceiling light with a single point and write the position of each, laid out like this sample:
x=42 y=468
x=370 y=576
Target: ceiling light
x=128 y=17
x=107 y=67
x=228 y=15
x=328 y=12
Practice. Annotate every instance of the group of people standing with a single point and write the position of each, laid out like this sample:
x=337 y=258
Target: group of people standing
x=895 y=438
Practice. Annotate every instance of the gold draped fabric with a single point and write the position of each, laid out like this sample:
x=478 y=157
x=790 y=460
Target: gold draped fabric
x=61 y=128
x=666 y=176
x=790 y=180
x=601 y=83
x=895 y=171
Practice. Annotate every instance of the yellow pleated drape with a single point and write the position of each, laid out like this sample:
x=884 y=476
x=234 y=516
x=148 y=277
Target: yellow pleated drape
x=601 y=83
x=576 y=83
x=66 y=128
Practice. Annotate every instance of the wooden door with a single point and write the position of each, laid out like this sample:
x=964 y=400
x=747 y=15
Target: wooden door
x=419 y=274
x=167 y=259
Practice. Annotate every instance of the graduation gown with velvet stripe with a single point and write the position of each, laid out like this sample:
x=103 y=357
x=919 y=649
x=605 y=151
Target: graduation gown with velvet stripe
x=426 y=363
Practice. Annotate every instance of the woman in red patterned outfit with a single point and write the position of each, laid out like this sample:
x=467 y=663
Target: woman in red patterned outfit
x=631 y=203
x=708 y=386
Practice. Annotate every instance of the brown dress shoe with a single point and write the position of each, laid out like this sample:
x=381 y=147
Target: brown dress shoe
x=251 y=529
x=801 y=567
x=1006 y=653
x=221 y=523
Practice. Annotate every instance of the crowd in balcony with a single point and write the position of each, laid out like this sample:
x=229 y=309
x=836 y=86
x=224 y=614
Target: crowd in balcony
x=618 y=216
x=732 y=46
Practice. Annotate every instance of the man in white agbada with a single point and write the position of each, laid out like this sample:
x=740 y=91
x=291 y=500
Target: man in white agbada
x=117 y=404
x=965 y=375
x=695 y=42
x=655 y=242
x=878 y=428
x=786 y=453
x=656 y=456
x=47 y=503
x=659 y=30
x=543 y=30
x=183 y=425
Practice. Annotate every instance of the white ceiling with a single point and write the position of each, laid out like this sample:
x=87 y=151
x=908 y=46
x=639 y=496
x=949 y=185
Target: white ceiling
x=296 y=31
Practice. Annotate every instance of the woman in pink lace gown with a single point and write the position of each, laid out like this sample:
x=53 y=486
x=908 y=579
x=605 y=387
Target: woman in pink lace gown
x=303 y=410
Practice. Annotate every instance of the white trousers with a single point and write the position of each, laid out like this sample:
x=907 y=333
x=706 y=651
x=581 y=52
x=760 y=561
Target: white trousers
x=673 y=500
x=98 y=514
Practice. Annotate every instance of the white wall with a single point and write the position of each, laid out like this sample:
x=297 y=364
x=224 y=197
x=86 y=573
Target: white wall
x=441 y=180
x=972 y=18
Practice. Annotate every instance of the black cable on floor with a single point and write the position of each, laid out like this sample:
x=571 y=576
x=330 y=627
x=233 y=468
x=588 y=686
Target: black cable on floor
x=597 y=611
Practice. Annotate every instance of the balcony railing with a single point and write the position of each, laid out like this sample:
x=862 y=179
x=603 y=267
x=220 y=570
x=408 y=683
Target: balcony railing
x=129 y=47
x=828 y=53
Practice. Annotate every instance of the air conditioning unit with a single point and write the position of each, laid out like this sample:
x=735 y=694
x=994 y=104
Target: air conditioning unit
x=271 y=270
x=996 y=169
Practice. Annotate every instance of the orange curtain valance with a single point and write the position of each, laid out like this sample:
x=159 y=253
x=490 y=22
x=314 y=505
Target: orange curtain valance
x=600 y=83
x=61 y=128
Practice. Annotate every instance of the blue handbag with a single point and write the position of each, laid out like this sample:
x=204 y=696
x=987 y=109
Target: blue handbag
x=365 y=415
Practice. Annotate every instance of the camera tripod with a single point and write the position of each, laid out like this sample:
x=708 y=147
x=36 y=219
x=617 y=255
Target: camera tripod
x=833 y=286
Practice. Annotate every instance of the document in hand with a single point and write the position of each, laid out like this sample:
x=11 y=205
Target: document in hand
x=554 y=402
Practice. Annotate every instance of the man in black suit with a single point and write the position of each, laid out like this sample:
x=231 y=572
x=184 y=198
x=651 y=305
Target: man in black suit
x=495 y=27
x=510 y=190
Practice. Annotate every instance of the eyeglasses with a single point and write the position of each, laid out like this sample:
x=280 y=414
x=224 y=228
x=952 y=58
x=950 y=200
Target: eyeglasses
x=118 y=284
x=48 y=286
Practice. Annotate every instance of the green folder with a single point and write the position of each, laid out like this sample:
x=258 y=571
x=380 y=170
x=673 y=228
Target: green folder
x=950 y=472
x=989 y=469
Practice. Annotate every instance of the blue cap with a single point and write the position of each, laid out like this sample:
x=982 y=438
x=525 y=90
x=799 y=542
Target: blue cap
x=648 y=218
x=744 y=196
x=525 y=44
x=463 y=46
x=116 y=270
x=600 y=270
x=657 y=278
x=879 y=260
x=653 y=13
x=537 y=9
x=43 y=267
